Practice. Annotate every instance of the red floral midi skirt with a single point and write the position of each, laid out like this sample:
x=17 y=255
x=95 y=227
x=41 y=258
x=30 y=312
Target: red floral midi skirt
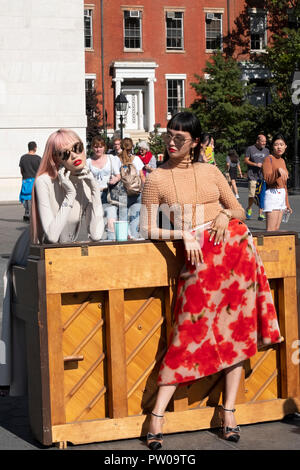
x=224 y=309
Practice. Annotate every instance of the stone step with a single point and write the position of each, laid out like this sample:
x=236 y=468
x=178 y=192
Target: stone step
x=137 y=136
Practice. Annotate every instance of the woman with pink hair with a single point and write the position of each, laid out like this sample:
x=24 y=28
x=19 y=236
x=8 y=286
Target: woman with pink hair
x=64 y=191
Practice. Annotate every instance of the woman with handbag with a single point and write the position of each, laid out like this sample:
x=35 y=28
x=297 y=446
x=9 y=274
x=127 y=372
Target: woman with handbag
x=133 y=178
x=224 y=306
x=276 y=175
x=106 y=170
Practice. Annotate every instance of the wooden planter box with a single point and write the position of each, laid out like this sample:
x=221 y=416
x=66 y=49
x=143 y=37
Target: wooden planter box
x=98 y=317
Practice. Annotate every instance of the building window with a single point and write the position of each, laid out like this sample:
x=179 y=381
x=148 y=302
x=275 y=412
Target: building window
x=260 y=93
x=175 y=97
x=88 y=29
x=132 y=29
x=258 y=31
x=89 y=84
x=213 y=23
x=174 y=29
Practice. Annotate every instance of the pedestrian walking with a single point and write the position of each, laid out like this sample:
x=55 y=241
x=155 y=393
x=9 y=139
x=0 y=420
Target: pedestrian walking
x=233 y=167
x=29 y=164
x=276 y=176
x=254 y=157
x=224 y=303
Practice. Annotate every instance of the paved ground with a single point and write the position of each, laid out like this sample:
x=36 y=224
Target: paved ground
x=15 y=433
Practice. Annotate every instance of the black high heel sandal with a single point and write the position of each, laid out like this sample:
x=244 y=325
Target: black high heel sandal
x=229 y=434
x=154 y=441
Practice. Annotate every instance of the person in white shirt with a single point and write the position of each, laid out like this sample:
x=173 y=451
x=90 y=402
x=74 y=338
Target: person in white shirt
x=106 y=170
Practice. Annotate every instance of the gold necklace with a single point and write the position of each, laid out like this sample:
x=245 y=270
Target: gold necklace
x=196 y=192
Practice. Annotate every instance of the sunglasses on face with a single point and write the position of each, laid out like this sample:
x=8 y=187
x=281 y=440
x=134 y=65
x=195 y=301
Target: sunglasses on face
x=65 y=154
x=179 y=140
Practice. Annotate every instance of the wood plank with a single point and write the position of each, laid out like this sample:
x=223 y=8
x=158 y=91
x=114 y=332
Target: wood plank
x=278 y=256
x=99 y=267
x=116 y=355
x=37 y=354
x=191 y=420
x=288 y=319
x=56 y=359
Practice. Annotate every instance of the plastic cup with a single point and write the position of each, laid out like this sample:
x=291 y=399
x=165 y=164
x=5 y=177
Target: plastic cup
x=121 y=230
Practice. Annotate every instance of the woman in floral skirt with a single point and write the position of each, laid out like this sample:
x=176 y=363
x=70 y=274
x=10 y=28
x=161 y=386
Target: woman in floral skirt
x=224 y=306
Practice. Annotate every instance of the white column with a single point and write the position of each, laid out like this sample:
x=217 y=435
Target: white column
x=141 y=111
x=151 y=104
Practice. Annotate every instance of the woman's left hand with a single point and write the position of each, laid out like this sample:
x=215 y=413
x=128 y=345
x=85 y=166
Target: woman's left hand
x=88 y=177
x=218 y=228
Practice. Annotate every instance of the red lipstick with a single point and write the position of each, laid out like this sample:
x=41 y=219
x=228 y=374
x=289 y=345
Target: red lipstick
x=77 y=162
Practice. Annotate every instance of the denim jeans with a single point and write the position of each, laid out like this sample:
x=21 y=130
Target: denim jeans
x=132 y=214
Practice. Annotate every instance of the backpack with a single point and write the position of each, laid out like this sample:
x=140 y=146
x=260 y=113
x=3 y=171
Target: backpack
x=131 y=179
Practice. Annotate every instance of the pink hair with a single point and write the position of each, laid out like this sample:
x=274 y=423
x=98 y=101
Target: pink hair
x=59 y=140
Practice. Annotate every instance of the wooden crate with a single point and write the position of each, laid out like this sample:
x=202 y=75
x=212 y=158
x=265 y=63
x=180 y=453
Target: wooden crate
x=98 y=318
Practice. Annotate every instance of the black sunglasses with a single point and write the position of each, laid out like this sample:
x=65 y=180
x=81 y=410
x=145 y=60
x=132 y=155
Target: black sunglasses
x=65 y=154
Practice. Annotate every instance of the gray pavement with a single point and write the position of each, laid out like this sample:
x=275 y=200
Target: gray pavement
x=15 y=433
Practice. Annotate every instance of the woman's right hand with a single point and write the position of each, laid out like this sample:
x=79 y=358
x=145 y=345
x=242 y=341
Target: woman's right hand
x=64 y=179
x=192 y=247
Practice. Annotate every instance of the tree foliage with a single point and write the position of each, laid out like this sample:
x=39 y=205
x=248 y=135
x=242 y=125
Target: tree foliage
x=155 y=141
x=222 y=105
x=94 y=116
x=283 y=54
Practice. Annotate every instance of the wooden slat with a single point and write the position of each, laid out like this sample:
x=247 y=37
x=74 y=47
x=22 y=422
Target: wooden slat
x=145 y=374
x=288 y=319
x=139 y=312
x=99 y=267
x=92 y=403
x=88 y=337
x=85 y=376
x=56 y=362
x=116 y=354
x=278 y=256
x=75 y=315
x=262 y=358
x=191 y=420
x=264 y=386
x=144 y=341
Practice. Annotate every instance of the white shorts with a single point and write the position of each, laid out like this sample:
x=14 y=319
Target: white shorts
x=275 y=200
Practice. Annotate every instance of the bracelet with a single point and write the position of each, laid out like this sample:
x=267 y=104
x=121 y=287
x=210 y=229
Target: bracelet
x=66 y=204
x=224 y=211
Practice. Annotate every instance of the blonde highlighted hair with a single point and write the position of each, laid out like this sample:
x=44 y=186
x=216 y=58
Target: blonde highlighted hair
x=62 y=139
x=127 y=146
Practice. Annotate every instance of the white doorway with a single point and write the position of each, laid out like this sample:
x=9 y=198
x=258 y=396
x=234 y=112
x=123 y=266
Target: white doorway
x=134 y=120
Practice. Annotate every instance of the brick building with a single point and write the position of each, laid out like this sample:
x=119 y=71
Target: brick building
x=150 y=50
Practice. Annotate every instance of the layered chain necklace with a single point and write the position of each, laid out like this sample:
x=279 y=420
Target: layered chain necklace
x=194 y=203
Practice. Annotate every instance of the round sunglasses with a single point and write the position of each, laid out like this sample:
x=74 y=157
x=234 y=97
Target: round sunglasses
x=65 y=154
x=179 y=140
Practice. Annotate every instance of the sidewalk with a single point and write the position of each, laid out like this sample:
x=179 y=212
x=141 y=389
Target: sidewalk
x=15 y=433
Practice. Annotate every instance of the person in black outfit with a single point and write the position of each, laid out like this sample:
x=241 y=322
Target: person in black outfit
x=29 y=164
